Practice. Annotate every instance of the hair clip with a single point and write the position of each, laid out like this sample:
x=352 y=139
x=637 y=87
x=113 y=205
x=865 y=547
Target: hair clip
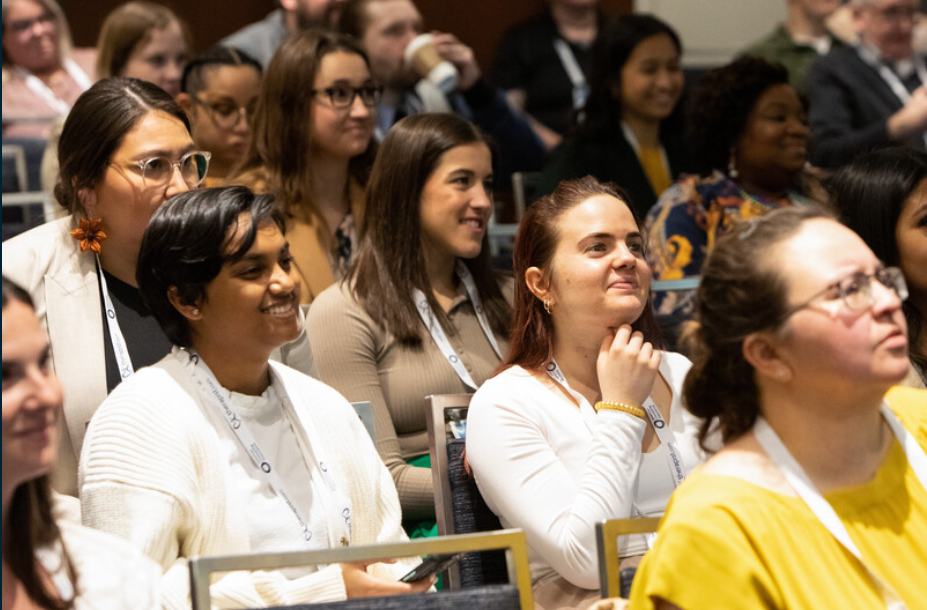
x=751 y=227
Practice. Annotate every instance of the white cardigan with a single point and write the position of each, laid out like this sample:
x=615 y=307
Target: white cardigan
x=63 y=282
x=152 y=472
x=543 y=465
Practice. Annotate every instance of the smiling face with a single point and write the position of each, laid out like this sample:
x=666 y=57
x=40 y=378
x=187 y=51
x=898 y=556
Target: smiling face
x=341 y=132
x=390 y=25
x=774 y=142
x=598 y=275
x=911 y=237
x=122 y=198
x=888 y=25
x=226 y=89
x=251 y=307
x=31 y=398
x=30 y=36
x=651 y=80
x=826 y=342
x=456 y=203
x=160 y=58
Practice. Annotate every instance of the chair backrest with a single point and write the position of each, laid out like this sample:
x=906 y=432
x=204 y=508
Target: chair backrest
x=525 y=190
x=607 y=534
x=459 y=506
x=14 y=169
x=512 y=541
x=23 y=211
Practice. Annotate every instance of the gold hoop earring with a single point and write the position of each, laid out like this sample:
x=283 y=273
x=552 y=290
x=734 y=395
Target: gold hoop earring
x=547 y=305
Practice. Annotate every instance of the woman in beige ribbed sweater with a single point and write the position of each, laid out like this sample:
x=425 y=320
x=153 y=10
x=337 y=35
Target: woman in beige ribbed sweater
x=405 y=324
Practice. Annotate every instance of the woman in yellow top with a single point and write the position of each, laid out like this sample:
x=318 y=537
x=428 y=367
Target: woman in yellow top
x=312 y=146
x=818 y=498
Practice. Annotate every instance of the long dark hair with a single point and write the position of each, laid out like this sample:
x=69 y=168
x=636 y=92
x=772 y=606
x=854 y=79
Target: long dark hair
x=279 y=157
x=29 y=523
x=531 y=341
x=739 y=293
x=95 y=128
x=390 y=259
x=869 y=194
x=613 y=46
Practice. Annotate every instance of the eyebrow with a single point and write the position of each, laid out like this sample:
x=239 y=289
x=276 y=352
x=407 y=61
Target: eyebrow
x=163 y=152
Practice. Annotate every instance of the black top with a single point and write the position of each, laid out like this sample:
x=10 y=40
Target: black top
x=144 y=338
x=611 y=158
x=526 y=59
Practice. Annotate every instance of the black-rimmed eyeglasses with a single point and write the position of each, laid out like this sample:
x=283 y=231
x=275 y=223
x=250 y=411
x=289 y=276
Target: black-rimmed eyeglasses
x=344 y=96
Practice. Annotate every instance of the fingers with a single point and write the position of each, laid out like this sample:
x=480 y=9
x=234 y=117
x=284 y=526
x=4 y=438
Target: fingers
x=627 y=366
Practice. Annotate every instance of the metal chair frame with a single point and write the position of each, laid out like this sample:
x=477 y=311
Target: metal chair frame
x=606 y=535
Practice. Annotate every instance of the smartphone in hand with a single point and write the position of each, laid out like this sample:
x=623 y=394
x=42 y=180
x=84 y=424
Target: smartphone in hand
x=431 y=565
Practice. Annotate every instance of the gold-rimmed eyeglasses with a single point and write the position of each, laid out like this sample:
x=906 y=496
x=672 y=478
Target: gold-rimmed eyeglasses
x=855 y=290
x=158 y=171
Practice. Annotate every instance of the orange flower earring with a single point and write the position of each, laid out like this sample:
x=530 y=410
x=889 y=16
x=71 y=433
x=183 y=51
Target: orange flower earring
x=89 y=234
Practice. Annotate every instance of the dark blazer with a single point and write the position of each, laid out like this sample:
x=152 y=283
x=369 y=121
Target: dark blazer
x=850 y=107
x=612 y=159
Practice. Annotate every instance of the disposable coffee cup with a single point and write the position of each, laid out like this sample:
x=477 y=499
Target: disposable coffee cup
x=422 y=57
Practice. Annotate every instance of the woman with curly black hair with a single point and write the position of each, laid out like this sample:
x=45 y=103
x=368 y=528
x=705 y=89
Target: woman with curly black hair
x=748 y=128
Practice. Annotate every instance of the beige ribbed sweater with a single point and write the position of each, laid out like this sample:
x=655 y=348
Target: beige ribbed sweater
x=357 y=357
x=152 y=472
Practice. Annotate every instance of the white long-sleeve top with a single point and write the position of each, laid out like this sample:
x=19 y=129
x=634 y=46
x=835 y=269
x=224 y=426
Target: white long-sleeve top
x=153 y=471
x=554 y=470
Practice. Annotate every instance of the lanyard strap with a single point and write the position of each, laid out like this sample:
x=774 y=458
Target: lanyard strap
x=213 y=393
x=35 y=84
x=825 y=513
x=120 y=350
x=573 y=72
x=437 y=332
x=891 y=79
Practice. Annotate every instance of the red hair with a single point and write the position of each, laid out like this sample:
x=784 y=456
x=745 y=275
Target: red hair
x=531 y=340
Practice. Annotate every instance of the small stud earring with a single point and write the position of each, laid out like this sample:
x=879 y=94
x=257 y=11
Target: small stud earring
x=195 y=311
x=732 y=166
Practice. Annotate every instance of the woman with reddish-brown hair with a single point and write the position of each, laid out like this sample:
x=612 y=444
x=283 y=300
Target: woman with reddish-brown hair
x=584 y=422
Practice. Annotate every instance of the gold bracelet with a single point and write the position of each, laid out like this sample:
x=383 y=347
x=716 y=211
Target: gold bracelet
x=624 y=407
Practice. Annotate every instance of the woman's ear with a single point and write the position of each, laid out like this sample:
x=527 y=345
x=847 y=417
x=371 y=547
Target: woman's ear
x=186 y=102
x=190 y=311
x=538 y=283
x=88 y=201
x=761 y=350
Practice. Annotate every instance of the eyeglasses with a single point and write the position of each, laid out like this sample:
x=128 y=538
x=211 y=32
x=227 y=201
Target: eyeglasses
x=158 y=171
x=856 y=289
x=343 y=96
x=226 y=115
x=24 y=25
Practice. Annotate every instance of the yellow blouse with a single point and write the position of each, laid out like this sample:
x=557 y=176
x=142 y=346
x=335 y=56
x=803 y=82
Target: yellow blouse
x=727 y=543
x=651 y=158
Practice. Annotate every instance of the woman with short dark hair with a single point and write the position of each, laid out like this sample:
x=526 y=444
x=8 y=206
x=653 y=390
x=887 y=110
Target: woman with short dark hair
x=748 y=128
x=421 y=311
x=47 y=562
x=215 y=450
x=798 y=338
x=882 y=195
x=583 y=420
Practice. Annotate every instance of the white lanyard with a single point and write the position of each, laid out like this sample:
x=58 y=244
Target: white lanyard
x=38 y=87
x=438 y=334
x=673 y=456
x=891 y=79
x=212 y=392
x=120 y=349
x=799 y=481
x=573 y=72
